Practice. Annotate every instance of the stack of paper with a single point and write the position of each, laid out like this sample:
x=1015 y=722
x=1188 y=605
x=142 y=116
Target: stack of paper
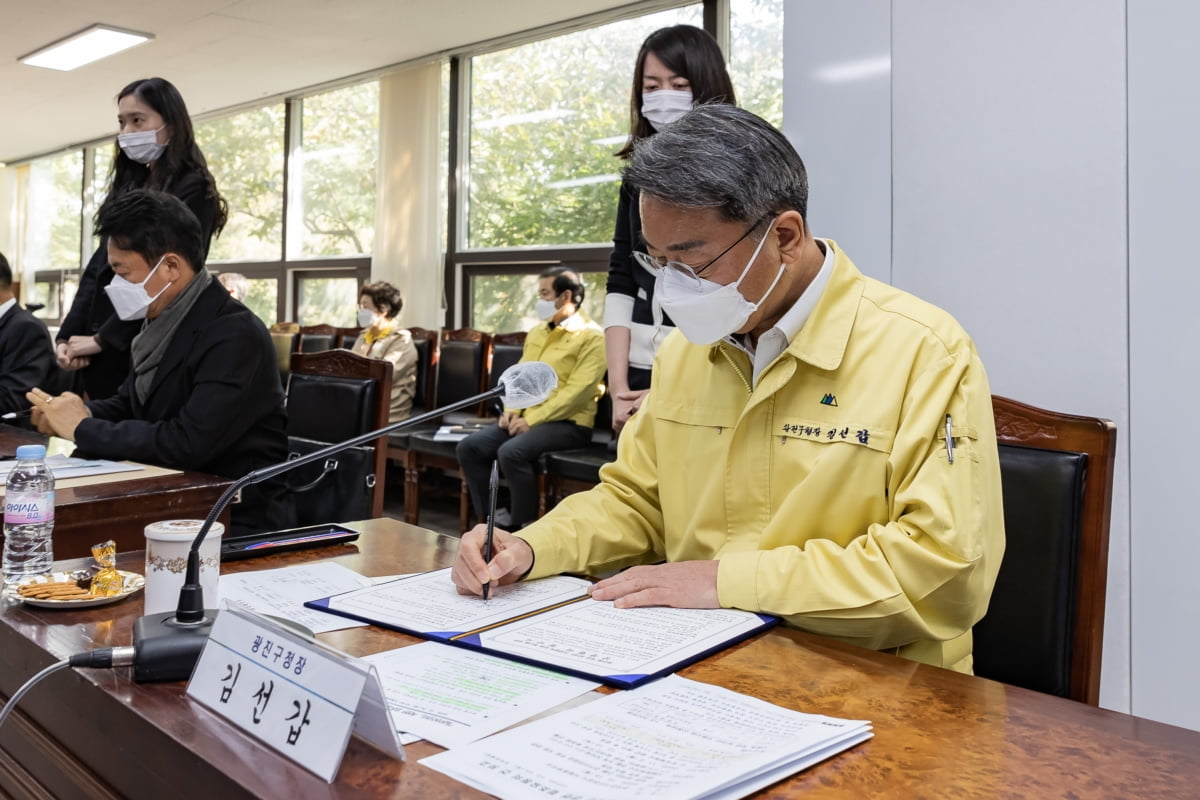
x=672 y=739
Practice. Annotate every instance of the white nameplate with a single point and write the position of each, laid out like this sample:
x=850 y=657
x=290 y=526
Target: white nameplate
x=296 y=695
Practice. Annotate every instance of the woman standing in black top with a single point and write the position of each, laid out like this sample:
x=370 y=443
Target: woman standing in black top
x=156 y=149
x=677 y=68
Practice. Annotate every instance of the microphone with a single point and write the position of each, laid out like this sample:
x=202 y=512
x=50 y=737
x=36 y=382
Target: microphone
x=166 y=646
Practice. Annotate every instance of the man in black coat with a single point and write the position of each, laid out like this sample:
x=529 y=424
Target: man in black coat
x=203 y=392
x=26 y=355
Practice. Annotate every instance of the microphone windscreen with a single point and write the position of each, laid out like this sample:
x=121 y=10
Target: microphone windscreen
x=527 y=384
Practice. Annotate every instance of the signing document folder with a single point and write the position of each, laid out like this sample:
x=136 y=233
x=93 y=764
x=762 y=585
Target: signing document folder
x=551 y=622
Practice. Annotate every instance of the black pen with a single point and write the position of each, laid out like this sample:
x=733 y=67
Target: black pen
x=949 y=440
x=493 y=485
x=17 y=414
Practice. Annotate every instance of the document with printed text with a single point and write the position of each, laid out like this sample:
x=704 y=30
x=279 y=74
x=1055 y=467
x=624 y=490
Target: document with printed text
x=674 y=739
x=282 y=592
x=452 y=696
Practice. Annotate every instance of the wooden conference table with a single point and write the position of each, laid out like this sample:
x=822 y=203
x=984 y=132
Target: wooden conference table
x=121 y=505
x=96 y=734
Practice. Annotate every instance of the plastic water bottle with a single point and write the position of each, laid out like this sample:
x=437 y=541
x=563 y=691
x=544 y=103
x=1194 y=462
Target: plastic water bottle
x=28 y=515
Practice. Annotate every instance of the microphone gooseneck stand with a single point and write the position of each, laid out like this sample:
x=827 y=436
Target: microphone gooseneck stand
x=167 y=645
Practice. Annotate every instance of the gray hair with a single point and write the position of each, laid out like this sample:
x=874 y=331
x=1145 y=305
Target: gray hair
x=721 y=157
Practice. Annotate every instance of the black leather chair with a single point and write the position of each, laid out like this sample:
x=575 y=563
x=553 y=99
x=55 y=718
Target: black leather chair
x=424 y=396
x=568 y=471
x=333 y=396
x=1044 y=627
x=461 y=372
x=507 y=349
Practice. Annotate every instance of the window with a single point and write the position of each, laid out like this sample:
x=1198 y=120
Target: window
x=505 y=302
x=327 y=297
x=54 y=189
x=55 y=291
x=545 y=120
x=95 y=191
x=335 y=170
x=262 y=297
x=756 y=56
x=330 y=210
x=245 y=155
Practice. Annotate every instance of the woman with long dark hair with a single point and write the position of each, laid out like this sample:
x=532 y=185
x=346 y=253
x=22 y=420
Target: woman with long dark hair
x=155 y=149
x=677 y=68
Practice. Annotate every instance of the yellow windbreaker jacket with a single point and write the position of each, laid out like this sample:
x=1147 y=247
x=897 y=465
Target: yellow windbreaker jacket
x=575 y=348
x=825 y=492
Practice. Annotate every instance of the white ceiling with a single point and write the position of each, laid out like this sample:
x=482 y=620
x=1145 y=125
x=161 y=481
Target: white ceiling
x=223 y=53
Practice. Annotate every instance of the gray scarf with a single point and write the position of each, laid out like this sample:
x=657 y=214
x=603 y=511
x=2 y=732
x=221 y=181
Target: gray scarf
x=150 y=345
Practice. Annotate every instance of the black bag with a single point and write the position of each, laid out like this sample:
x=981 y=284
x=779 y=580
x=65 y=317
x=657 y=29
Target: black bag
x=338 y=488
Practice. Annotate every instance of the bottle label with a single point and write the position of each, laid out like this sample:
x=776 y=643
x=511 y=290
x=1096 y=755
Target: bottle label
x=28 y=508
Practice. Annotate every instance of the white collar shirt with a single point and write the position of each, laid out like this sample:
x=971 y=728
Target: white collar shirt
x=773 y=342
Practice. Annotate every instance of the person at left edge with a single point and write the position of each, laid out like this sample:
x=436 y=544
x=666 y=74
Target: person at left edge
x=26 y=358
x=156 y=149
x=204 y=391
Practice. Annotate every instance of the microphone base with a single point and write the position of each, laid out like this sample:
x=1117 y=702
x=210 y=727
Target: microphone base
x=166 y=650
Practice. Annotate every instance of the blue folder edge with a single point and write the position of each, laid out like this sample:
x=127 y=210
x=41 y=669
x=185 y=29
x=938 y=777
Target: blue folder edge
x=618 y=681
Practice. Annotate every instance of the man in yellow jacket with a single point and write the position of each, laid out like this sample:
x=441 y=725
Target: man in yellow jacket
x=573 y=345
x=815 y=444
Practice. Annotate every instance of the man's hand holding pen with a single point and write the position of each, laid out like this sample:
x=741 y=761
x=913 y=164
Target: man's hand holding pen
x=512 y=557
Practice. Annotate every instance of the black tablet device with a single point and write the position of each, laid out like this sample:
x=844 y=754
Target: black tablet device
x=265 y=544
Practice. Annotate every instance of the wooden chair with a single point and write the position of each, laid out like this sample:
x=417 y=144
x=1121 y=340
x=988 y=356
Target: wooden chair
x=332 y=396
x=1044 y=628
x=315 y=338
x=346 y=337
x=285 y=345
x=461 y=372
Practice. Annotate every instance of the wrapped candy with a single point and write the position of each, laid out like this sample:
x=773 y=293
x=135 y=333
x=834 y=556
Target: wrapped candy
x=107 y=582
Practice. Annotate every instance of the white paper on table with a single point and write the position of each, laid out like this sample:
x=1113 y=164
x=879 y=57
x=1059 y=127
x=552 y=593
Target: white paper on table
x=282 y=592
x=597 y=638
x=453 y=696
x=673 y=739
x=64 y=467
x=429 y=603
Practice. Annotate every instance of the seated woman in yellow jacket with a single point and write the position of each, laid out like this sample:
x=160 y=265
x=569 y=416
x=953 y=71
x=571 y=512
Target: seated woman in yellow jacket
x=379 y=307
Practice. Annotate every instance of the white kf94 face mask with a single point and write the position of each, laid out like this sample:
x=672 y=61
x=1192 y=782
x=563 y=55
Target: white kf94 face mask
x=546 y=309
x=663 y=106
x=141 y=146
x=131 y=300
x=704 y=311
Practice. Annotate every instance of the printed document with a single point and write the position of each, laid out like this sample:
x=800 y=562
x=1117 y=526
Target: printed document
x=282 y=592
x=673 y=739
x=452 y=696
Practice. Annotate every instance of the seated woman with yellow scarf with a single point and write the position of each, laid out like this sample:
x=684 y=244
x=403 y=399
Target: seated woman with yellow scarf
x=379 y=307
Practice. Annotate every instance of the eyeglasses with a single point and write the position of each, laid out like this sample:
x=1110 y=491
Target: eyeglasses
x=654 y=265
